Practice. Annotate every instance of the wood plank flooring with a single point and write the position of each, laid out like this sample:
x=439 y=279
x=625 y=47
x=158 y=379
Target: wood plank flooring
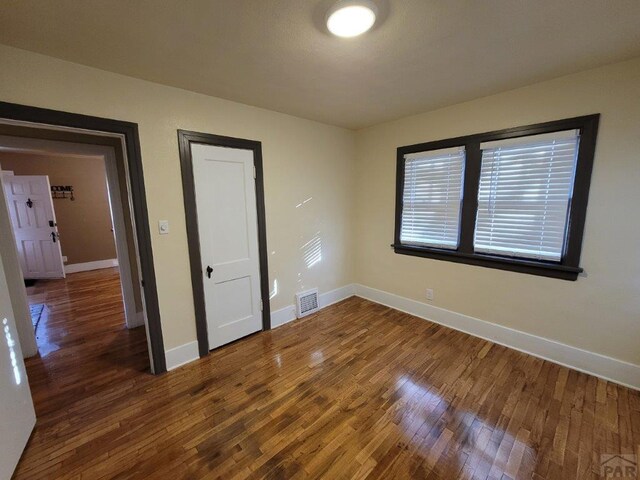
x=83 y=342
x=356 y=391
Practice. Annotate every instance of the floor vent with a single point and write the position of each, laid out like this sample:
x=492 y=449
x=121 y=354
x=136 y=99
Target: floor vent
x=306 y=302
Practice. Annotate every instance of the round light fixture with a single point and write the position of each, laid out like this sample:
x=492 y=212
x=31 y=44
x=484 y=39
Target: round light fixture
x=350 y=18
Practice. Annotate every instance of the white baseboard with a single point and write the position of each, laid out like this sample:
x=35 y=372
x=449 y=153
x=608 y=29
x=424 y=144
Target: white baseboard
x=85 y=267
x=189 y=352
x=178 y=356
x=608 y=368
x=282 y=316
x=136 y=321
x=337 y=295
x=288 y=313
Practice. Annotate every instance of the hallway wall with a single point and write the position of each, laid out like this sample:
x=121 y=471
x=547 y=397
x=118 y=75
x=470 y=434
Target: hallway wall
x=84 y=223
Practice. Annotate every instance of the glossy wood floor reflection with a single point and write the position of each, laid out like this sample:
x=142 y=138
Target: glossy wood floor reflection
x=356 y=391
x=83 y=343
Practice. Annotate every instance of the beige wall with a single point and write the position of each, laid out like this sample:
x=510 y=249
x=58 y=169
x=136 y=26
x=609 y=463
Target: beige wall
x=600 y=312
x=85 y=223
x=302 y=160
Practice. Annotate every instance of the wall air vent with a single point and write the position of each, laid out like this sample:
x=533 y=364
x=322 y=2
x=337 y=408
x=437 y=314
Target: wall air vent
x=306 y=302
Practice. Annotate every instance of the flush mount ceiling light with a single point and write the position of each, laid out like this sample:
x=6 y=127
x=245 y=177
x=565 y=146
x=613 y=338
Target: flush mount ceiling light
x=350 y=18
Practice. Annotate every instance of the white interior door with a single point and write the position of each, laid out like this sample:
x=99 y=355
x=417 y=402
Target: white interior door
x=228 y=229
x=17 y=416
x=34 y=225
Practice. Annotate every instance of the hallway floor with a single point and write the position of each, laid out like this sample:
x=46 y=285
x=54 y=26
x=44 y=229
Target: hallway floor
x=83 y=342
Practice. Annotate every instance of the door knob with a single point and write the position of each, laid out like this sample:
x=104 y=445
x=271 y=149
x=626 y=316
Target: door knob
x=54 y=237
x=209 y=271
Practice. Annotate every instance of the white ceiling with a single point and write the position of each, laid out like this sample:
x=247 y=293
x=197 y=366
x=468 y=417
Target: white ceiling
x=277 y=54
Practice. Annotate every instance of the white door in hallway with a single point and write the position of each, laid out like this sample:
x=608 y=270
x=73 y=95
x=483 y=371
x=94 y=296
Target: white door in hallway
x=17 y=416
x=228 y=229
x=34 y=225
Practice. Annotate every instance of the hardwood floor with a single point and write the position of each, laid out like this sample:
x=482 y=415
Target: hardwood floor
x=82 y=339
x=356 y=391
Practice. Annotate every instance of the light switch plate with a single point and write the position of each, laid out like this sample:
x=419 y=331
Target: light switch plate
x=163 y=227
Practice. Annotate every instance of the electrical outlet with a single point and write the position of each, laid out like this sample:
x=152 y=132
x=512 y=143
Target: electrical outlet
x=430 y=294
x=65 y=259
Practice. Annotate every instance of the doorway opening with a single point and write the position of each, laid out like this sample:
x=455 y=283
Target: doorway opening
x=101 y=304
x=73 y=248
x=67 y=214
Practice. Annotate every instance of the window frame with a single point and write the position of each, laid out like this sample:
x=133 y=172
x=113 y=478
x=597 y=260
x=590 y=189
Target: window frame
x=569 y=266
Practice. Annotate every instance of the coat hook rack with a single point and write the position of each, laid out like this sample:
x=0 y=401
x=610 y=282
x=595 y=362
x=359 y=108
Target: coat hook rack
x=62 y=192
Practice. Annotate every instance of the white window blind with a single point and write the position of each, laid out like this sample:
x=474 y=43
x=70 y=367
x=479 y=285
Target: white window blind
x=525 y=191
x=432 y=198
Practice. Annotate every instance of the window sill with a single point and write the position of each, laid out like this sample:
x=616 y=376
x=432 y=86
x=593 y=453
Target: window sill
x=532 y=267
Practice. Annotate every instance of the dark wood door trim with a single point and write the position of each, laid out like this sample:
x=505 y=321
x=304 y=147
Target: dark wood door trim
x=129 y=131
x=185 y=139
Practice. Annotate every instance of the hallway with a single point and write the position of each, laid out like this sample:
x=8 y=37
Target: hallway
x=82 y=339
